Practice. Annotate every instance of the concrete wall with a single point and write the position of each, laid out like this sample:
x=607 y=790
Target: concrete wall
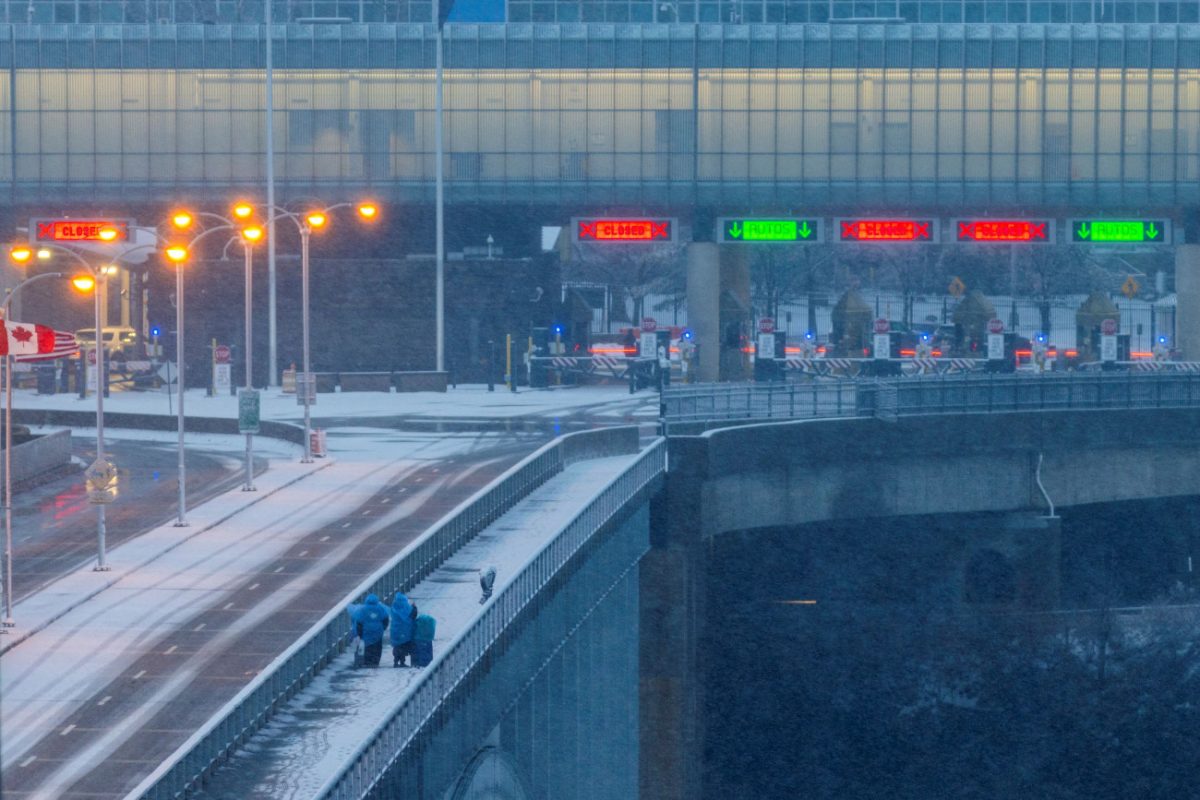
x=802 y=472
x=39 y=455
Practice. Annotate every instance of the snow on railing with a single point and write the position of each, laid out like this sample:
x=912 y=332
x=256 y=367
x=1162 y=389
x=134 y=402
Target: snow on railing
x=453 y=665
x=293 y=669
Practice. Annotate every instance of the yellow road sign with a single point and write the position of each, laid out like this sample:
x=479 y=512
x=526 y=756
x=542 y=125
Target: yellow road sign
x=956 y=287
x=1130 y=287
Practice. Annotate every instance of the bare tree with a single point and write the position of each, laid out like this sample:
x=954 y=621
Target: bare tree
x=632 y=270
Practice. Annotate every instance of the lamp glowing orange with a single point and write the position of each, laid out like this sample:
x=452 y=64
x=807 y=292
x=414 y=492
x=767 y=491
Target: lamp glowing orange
x=316 y=219
x=177 y=253
x=367 y=210
x=243 y=210
x=108 y=234
x=252 y=233
x=83 y=283
x=181 y=219
x=20 y=254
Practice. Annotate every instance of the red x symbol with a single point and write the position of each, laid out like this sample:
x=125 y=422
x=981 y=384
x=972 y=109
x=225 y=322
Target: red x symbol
x=1037 y=231
x=658 y=229
x=587 y=230
x=921 y=230
x=849 y=230
x=964 y=230
x=45 y=230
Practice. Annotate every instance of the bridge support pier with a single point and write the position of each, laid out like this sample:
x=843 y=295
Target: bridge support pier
x=1187 y=308
x=718 y=301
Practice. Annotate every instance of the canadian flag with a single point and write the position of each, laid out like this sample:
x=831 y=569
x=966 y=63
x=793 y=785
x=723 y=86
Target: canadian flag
x=23 y=339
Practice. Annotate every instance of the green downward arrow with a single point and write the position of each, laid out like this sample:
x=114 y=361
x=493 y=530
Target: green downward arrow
x=1084 y=230
x=1151 y=231
x=735 y=230
x=805 y=231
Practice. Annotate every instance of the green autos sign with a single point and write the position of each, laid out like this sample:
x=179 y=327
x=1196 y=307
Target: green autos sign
x=1121 y=231
x=248 y=410
x=795 y=231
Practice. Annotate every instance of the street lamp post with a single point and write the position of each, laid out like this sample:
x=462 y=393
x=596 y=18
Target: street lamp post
x=8 y=382
x=250 y=235
x=178 y=254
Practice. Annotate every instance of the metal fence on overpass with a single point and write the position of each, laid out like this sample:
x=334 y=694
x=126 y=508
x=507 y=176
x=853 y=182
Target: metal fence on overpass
x=693 y=408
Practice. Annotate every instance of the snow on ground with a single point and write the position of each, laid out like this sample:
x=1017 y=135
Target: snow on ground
x=102 y=620
x=322 y=727
x=470 y=401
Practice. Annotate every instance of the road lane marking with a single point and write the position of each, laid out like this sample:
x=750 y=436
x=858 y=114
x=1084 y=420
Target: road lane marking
x=403 y=489
x=140 y=674
x=386 y=500
x=253 y=586
x=345 y=524
x=279 y=569
x=227 y=606
x=199 y=627
x=170 y=650
x=28 y=761
x=106 y=698
x=67 y=729
x=324 y=538
x=303 y=553
x=365 y=513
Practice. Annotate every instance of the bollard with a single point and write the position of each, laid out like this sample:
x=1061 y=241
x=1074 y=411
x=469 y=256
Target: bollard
x=512 y=378
x=491 y=367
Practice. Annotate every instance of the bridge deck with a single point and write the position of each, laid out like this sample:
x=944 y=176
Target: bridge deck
x=93 y=702
x=318 y=732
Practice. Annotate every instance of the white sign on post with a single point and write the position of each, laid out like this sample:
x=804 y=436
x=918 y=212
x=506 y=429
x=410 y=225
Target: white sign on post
x=883 y=345
x=222 y=379
x=92 y=380
x=306 y=386
x=1108 y=348
x=995 y=347
x=649 y=344
x=766 y=345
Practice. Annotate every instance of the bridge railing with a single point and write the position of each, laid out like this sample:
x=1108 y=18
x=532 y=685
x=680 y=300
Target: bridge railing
x=454 y=664
x=295 y=668
x=692 y=406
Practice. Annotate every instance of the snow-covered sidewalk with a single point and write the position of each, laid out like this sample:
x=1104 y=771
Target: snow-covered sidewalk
x=321 y=728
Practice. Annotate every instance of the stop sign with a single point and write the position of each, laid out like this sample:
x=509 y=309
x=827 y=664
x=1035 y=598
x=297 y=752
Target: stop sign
x=221 y=354
x=882 y=325
x=649 y=324
x=995 y=326
x=766 y=325
x=1108 y=327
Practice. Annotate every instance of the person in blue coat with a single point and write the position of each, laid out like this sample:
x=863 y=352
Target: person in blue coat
x=424 y=630
x=370 y=621
x=403 y=615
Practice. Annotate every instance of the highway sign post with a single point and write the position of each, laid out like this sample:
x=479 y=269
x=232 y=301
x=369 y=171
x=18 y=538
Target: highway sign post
x=882 y=344
x=734 y=230
x=1120 y=231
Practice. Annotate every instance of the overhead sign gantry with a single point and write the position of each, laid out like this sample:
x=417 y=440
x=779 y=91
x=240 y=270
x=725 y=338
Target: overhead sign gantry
x=1005 y=231
x=1120 y=231
x=886 y=230
x=623 y=229
x=786 y=230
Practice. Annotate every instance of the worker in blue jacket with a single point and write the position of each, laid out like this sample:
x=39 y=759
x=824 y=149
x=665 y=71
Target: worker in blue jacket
x=370 y=621
x=404 y=615
x=422 y=645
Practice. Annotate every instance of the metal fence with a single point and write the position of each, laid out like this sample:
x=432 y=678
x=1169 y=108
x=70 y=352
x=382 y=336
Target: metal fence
x=946 y=394
x=257 y=703
x=455 y=663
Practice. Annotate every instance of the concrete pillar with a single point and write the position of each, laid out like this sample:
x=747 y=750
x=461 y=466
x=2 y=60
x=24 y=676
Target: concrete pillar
x=735 y=312
x=704 y=305
x=1187 y=300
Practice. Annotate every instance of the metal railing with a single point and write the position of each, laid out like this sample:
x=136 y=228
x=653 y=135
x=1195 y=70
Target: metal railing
x=943 y=394
x=448 y=671
x=292 y=670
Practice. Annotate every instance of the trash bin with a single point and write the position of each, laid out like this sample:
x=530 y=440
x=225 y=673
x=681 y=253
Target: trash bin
x=46 y=379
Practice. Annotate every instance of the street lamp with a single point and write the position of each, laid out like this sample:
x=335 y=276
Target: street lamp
x=177 y=255
x=89 y=282
x=251 y=235
x=8 y=401
x=312 y=220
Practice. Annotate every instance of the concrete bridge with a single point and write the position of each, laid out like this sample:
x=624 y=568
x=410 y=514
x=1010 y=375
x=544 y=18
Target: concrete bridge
x=584 y=675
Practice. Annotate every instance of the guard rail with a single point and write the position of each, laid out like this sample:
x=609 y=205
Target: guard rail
x=295 y=668
x=454 y=665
